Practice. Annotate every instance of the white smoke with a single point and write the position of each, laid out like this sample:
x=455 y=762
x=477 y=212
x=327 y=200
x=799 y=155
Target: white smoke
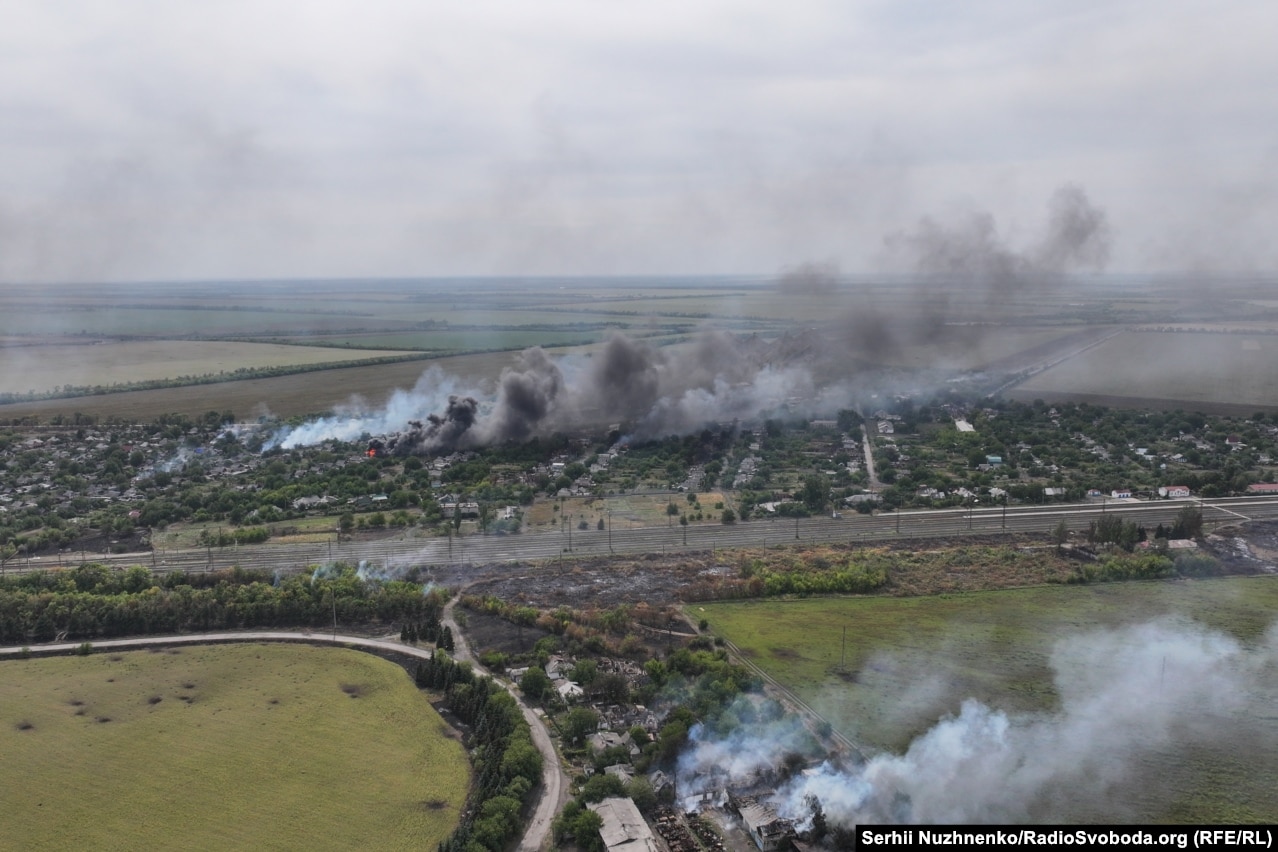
x=658 y=392
x=356 y=419
x=1123 y=694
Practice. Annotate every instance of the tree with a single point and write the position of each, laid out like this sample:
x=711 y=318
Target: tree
x=613 y=687
x=1060 y=534
x=728 y=517
x=815 y=493
x=534 y=683
x=585 y=830
x=584 y=672
x=1189 y=523
x=580 y=722
x=641 y=792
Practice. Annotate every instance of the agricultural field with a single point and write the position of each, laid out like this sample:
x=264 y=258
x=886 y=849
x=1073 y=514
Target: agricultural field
x=224 y=747
x=1182 y=369
x=283 y=396
x=44 y=368
x=909 y=662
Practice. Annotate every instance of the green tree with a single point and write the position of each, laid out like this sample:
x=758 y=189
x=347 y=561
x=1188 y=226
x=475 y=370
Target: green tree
x=815 y=493
x=584 y=672
x=640 y=791
x=534 y=683
x=1060 y=534
x=579 y=723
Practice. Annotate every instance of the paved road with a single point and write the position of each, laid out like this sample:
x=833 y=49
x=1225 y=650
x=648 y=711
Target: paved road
x=537 y=835
x=557 y=543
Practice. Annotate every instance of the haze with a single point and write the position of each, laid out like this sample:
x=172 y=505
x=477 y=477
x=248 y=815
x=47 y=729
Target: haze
x=146 y=140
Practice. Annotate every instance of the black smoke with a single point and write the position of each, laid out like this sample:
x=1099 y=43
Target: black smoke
x=439 y=433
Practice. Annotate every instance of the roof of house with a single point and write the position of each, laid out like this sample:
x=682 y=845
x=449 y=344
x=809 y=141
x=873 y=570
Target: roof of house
x=623 y=826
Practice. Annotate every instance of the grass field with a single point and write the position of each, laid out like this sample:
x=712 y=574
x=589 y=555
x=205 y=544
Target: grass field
x=283 y=396
x=453 y=340
x=223 y=747
x=1185 y=367
x=911 y=661
x=44 y=368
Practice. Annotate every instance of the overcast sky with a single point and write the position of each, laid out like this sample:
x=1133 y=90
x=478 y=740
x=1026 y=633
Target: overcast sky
x=268 y=138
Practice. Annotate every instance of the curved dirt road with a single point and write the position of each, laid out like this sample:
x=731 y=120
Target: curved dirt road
x=554 y=783
x=537 y=834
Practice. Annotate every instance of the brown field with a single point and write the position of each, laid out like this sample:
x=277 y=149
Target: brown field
x=1180 y=370
x=284 y=396
x=44 y=368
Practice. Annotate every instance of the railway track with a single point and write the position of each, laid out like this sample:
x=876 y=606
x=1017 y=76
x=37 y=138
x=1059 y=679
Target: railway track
x=405 y=552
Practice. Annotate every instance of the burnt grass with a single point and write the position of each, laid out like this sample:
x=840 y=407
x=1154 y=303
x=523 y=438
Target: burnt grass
x=914 y=567
x=494 y=633
x=919 y=567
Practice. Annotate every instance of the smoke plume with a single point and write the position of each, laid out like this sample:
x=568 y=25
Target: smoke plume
x=810 y=279
x=963 y=273
x=1077 y=237
x=1157 y=688
x=652 y=391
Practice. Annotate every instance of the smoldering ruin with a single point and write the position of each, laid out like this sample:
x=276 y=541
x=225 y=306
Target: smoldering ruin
x=1126 y=697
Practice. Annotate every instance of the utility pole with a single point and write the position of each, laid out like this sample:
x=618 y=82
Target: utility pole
x=610 y=531
x=844 y=659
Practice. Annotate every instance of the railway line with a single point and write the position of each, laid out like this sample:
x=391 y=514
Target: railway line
x=408 y=551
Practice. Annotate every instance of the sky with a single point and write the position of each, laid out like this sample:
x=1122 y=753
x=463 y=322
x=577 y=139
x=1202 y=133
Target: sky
x=200 y=140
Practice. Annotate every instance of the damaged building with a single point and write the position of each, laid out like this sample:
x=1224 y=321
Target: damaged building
x=768 y=831
x=624 y=828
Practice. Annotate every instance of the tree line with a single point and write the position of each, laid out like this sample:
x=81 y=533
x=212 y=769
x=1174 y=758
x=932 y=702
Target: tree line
x=506 y=763
x=94 y=601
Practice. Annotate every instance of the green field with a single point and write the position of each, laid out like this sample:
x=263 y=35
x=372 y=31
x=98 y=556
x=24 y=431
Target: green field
x=224 y=747
x=912 y=661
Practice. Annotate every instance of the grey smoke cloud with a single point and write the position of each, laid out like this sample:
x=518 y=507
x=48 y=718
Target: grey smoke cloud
x=1077 y=237
x=1160 y=687
x=652 y=391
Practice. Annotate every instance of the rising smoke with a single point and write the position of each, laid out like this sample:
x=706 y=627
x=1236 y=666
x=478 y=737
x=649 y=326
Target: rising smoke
x=962 y=272
x=1157 y=688
x=653 y=391
x=971 y=252
x=721 y=378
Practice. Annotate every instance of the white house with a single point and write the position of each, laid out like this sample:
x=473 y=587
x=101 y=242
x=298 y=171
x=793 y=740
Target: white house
x=1174 y=491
